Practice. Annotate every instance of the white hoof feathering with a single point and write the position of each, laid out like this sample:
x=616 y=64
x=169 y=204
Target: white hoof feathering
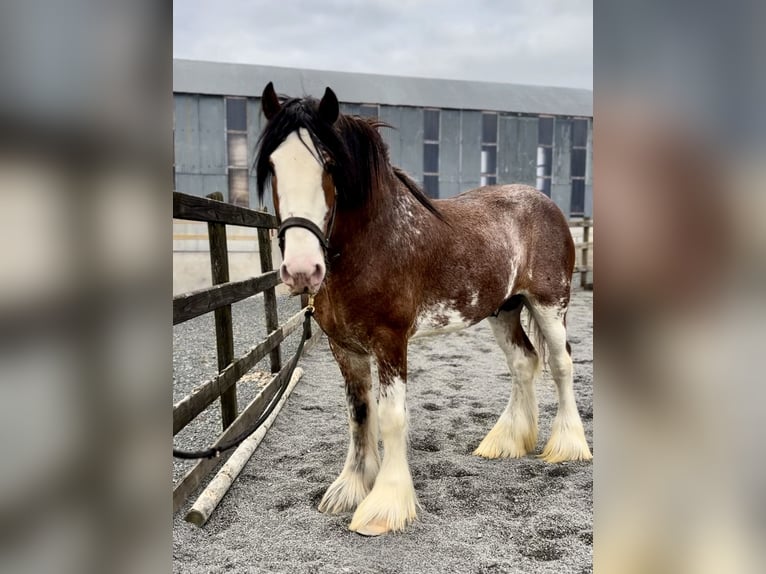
x=567 y=441
x=391 y=505
x=348 y=490
x=509 y=439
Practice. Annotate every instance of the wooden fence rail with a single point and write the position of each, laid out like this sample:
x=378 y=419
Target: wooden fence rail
x=218 y=299
x=582 y=263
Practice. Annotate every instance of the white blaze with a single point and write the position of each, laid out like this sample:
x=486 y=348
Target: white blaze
x=299 y=190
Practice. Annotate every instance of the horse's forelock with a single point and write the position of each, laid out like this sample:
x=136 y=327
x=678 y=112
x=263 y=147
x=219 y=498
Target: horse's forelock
x=296 y=114
x=357 y=155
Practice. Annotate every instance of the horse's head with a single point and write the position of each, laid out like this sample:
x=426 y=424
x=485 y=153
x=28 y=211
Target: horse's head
x=297 y=154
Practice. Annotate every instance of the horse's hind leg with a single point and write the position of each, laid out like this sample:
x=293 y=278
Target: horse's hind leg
x=567 y=440
x=363 y=460
x=515 y=433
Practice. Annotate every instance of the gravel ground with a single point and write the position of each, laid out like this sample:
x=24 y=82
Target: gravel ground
x=512 y=515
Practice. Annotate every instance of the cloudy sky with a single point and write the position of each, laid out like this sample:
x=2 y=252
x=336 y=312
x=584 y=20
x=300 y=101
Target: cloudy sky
x=544 y=42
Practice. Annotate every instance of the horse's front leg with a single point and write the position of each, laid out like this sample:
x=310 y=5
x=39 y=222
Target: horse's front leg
x=362 y=462
x=391 y=505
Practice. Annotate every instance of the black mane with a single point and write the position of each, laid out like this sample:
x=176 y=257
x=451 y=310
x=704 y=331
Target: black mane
x=351 y=150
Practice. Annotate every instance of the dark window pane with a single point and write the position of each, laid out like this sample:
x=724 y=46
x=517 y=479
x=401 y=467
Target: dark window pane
x=578 y=163
x=547 y=160
x=577 y=205
x=368 y=111
x=431 y=185
x=546 y=187
x=488 y=159
x=431 y=125
x=580 y=133
x=545 y=131
x=431 y=158
x=236 y=114
x=489 y=128
x=491 y=180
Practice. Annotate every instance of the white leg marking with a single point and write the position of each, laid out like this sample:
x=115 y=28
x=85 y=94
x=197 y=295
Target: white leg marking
x=358 y=475
x=515 y=433
x=567 y=440
x=391 y=504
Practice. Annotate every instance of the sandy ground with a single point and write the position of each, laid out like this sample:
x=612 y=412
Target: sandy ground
x=512 y=515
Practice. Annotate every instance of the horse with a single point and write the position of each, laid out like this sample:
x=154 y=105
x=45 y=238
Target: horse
x=385 y=264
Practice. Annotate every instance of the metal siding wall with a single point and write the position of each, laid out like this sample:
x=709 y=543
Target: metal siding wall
x=562 y=147
x=186 y=110
x=517 y=150
x=211 y=183
x=189 y=183
x=411 y=132
x=212 y=121
x=449 y=153
x=392 y=136
x=349 y=109
x=470 y=161
x=561 y=183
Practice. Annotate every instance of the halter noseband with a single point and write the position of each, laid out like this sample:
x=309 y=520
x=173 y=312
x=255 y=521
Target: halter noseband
x=305 y=224
x=324 y=240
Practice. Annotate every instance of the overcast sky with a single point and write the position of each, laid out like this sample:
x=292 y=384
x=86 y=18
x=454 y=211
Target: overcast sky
x=544 y=42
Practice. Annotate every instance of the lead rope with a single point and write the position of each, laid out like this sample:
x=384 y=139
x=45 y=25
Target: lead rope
x=215 y=451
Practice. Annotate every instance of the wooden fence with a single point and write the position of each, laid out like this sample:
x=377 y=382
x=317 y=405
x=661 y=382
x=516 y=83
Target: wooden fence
x=583 y=255
x=218 y=299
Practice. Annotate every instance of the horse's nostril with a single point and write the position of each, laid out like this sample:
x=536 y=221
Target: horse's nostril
x=283 y=274
x=318 y=272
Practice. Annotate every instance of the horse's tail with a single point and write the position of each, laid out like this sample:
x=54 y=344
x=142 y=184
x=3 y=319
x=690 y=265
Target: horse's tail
x=535 y=335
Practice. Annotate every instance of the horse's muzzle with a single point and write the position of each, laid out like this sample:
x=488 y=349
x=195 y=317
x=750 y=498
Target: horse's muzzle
x=306 y=278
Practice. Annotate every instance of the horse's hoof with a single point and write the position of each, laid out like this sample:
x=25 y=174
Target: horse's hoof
x=373 y=528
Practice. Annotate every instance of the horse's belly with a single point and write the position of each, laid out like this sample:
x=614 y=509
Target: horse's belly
x=439 y=319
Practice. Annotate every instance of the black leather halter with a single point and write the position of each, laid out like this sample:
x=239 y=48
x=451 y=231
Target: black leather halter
x=305 y=224
x=324 y=240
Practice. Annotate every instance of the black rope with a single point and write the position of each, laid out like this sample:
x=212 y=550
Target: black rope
x=286 y=373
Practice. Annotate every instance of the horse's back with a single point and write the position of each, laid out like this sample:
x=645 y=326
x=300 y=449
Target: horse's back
x=516 y=207
x=518 y=223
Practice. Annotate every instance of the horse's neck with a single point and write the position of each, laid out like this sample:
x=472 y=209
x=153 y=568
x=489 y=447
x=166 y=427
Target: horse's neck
x=392 y=225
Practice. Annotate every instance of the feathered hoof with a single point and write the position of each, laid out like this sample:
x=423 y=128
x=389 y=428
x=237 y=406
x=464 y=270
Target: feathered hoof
x=387 y=510
x=502 y=443
x=566 y=445
x=344 y=494
x=373 y=528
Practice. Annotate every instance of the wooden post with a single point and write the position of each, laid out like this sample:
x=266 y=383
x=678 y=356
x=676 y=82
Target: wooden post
x=269 y=296
x=586 y=223
x=224 y=336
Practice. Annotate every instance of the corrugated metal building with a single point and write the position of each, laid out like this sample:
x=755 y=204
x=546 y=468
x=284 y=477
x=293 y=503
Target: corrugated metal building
x=450 y=135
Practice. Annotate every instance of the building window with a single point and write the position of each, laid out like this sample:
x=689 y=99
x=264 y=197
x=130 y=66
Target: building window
x=431 y=131
x=577 y=166
x=236 y=148
x=544 y=153
x=489 y=148
x=369 y=111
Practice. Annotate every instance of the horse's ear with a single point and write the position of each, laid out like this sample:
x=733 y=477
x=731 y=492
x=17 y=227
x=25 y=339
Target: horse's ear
x=328 y=107
x=270 y=102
